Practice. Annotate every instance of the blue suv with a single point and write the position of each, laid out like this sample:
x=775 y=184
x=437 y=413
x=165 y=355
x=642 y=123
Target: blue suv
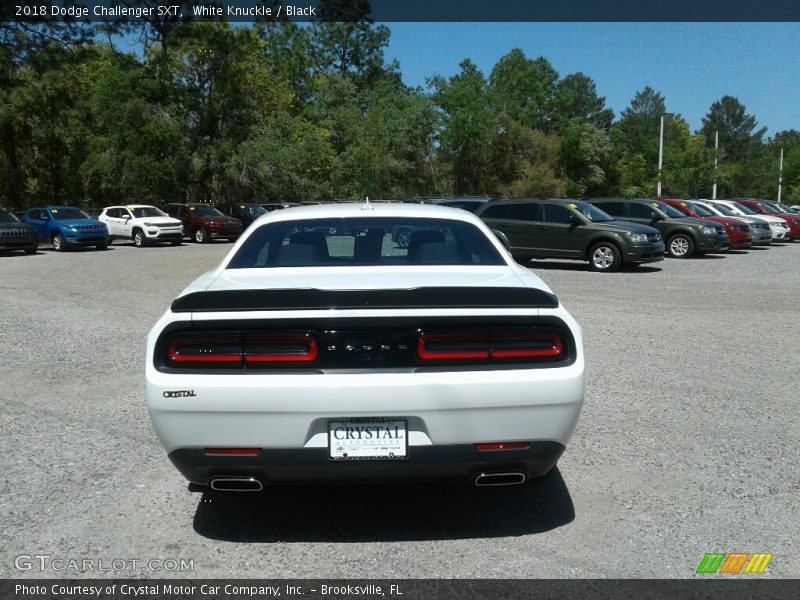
x=66 y=226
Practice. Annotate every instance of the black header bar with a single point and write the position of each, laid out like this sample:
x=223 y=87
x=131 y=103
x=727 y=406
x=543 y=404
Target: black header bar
x=133 y=11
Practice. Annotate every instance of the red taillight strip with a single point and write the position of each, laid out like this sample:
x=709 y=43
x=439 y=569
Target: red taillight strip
x=425 y=354
x=175 y=356
x=310 y=354
x=493 y=446
x=556 y=348
x=212 y=354
x=232 y=451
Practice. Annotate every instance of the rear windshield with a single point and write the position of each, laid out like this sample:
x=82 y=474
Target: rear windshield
x=365 y=242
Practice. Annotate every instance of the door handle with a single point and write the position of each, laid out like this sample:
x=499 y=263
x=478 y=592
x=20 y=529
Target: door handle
x=545 y=227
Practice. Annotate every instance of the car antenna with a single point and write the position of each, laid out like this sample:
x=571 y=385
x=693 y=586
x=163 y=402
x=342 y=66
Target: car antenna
x=367 y=205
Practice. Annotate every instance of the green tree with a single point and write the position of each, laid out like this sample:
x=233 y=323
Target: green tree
x=576 y=98
x=467 y=127
x=585 y=153
x=524 y=89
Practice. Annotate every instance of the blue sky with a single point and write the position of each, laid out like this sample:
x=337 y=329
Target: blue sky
x=692 y=64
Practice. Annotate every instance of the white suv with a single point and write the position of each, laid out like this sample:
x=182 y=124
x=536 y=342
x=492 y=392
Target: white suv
x=141 y=223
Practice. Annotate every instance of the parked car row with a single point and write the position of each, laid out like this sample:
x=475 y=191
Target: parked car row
x=607 y=232
x=612 y=232
x=67 y=227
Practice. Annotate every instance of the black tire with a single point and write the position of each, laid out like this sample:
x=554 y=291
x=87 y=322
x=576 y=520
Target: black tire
x=102 y=246
x=605 y=257
x=30 y=250
x=200 y=236
x=59 y=245
x=139 y=239
x=681 y=245
x=176 y=242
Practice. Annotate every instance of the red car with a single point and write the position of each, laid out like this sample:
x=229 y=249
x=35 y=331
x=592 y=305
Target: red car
x=738 y=231
x=765 y=208
x=203 y=222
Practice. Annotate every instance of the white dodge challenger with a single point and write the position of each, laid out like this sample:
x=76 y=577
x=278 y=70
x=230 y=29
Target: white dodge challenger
x=319 y=350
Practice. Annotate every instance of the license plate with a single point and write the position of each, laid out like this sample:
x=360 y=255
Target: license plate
x=368 y=439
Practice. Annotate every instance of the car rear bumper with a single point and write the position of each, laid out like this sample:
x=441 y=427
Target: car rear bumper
x=434 y=463
x=288 y=417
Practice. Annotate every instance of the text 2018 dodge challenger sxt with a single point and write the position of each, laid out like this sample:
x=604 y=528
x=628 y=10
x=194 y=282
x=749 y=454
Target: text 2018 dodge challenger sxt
x=319 y=350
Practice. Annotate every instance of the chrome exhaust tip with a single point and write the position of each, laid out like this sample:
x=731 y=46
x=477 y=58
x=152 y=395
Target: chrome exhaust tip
x=496 y=479
x=236 y=484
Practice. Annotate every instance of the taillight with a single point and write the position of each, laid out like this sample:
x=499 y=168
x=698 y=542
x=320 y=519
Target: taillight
x=206 y=349
x=237 y=349
x=500 y=346
x=526 y=345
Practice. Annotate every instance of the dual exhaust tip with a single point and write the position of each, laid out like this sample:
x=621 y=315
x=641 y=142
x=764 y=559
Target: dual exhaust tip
x=236 y=484
x=251 y=484
x=497 y=479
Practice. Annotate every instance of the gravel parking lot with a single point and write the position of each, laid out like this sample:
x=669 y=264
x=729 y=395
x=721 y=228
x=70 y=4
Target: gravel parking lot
x=688 y=442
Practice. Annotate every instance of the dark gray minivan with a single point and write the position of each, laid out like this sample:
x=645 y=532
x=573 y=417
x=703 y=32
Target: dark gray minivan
x=572 y=229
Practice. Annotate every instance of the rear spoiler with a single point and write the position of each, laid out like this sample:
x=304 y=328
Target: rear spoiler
x=316 y=299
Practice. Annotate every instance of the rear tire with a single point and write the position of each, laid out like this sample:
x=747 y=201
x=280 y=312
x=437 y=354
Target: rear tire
x=605 y=258
x=680 y=245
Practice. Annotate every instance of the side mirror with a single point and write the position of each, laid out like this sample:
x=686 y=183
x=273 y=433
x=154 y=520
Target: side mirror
x=127 y=217
x=503 y=239
x=657 y=217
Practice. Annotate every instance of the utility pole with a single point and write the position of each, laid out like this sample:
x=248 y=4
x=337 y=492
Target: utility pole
x=660 y=157
x=780 y=177
x=716 y=163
